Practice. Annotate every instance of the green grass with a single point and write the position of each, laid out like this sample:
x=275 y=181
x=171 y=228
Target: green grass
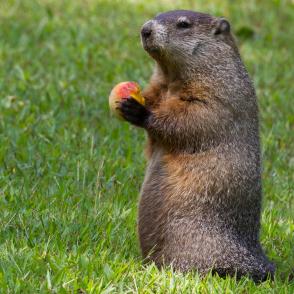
x=70 y=173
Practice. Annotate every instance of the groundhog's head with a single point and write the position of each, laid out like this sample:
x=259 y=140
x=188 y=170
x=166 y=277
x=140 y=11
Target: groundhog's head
x=188 y=38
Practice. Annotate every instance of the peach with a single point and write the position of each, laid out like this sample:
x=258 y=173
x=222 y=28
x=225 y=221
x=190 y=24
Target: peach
x=123 y=91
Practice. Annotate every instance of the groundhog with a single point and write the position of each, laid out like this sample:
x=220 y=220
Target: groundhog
x=200 y=201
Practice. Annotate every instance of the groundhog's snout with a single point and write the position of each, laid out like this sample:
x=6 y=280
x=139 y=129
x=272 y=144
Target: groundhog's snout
x=153 y=37
x=149 y=36
x=146 y=30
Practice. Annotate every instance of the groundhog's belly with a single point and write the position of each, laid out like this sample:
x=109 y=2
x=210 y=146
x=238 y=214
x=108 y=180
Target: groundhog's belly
x=169 y=192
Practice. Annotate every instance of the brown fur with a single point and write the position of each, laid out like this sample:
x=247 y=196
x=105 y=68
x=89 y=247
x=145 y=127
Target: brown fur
x=201 y=198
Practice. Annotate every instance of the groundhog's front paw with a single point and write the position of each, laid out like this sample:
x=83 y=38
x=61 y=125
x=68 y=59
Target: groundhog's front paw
x=134 y=112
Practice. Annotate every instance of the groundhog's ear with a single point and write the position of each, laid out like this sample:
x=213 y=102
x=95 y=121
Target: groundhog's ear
x=222 y=26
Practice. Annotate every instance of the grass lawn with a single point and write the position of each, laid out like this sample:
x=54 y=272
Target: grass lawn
x=70 y=173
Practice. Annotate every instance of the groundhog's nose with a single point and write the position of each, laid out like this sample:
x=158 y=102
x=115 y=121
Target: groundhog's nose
x=146 y=30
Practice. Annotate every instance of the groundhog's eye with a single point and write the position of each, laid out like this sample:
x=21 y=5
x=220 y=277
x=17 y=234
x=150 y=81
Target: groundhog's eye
x=183 y=24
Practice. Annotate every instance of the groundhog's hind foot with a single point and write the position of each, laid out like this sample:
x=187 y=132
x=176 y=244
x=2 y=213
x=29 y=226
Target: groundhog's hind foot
x=267 y=274
x=258 y=276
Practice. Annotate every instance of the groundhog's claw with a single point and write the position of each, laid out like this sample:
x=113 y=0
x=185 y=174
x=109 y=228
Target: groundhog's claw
x=134 y=112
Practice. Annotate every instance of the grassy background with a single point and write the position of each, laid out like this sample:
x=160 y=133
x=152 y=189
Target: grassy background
x=70 y=173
